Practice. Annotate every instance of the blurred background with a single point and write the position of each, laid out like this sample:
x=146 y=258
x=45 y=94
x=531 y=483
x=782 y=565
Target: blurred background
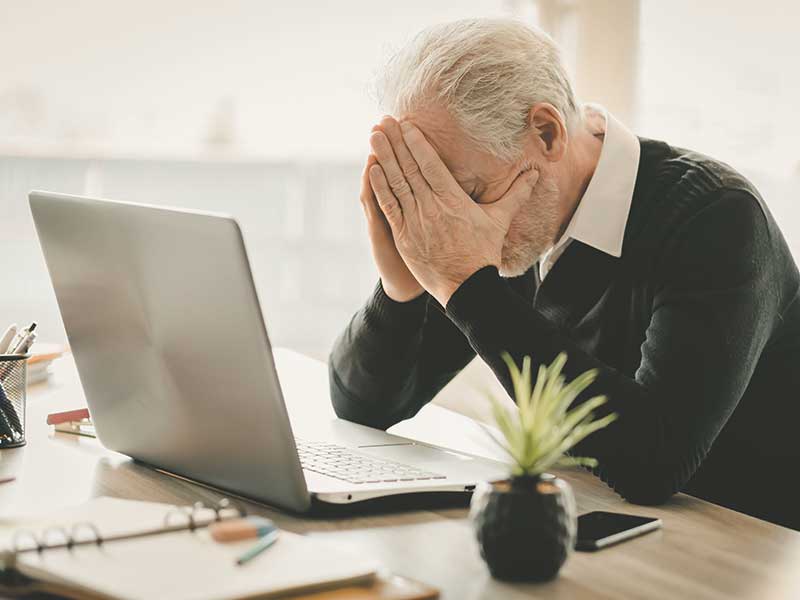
x=263 y=109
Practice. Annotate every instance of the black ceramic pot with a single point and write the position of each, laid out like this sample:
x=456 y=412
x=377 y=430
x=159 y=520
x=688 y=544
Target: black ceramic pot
x=525 y=526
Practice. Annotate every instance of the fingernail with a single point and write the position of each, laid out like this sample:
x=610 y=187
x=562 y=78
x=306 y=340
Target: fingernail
x=375 y=170
x=406 y=126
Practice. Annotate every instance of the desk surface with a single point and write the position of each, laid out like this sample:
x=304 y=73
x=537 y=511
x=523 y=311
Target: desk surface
x=703 y=551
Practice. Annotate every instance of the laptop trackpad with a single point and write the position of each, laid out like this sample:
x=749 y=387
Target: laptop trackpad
x=412 y=454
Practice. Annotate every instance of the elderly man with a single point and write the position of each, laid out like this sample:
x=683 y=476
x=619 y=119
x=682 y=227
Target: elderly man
x=505 y=217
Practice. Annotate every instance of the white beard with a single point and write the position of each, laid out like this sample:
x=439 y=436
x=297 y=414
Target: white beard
x=533 y=230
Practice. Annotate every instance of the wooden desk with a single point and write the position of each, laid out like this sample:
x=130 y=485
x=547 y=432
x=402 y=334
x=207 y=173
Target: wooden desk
x=703 y=551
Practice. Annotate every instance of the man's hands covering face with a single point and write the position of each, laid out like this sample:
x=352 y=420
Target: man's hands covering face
x=442 y=235
x=398 y=282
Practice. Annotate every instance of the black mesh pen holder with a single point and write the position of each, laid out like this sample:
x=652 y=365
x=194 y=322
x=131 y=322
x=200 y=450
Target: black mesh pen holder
x=13 y=385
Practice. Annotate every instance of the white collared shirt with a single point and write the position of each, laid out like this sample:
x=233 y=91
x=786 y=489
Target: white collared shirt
x=602 y=214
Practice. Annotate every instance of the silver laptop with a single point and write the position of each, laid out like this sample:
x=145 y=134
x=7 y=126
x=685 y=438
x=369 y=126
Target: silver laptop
x=163 y=319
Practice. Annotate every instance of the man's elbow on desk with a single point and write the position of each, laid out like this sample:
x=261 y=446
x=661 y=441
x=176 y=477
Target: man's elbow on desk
x=647 y=495
x=647 y=485
x=349 y=408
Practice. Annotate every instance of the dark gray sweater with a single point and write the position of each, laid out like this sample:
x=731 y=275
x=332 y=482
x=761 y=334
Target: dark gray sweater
x=695 y=331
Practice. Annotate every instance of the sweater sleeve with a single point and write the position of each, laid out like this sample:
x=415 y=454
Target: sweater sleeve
x=393 y=358
x=711 y=317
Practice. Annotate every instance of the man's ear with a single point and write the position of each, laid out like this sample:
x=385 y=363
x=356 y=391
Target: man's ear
x=548 y=131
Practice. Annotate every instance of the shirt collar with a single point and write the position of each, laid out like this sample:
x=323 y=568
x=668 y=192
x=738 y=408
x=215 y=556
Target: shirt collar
x=602 y=213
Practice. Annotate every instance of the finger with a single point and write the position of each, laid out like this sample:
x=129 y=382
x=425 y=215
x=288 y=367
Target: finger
x=368 y=201
x=392 y=171
x=433 y=168
x=388 y=202
x=505 y=208
x=409 y=166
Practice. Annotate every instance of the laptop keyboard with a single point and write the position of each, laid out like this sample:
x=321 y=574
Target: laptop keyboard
x=352 y=466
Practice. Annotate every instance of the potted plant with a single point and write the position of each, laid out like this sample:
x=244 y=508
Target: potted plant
x=526 y=524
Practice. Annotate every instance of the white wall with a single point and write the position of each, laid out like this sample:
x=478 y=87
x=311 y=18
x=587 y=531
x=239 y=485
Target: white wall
x=159 y=77
x=722 y=77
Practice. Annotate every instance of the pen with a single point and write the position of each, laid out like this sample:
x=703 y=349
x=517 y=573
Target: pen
x=261 y=545
x=8 y=336
x=21 y=339
x=26 y=344
x=8 y=415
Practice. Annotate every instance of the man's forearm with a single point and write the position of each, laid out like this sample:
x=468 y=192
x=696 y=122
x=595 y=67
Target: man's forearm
x=373 y=361
x=495 y=319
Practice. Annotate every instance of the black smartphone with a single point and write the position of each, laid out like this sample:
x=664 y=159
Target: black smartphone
x=599 y=529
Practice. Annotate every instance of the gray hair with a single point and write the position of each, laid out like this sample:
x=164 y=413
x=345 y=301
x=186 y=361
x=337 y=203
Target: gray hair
x=487 y=73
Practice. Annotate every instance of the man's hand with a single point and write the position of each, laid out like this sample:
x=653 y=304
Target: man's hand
x=398 y=282
x=441 y=233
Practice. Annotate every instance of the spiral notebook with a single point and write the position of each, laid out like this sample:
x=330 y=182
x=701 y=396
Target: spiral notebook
x=127 y=550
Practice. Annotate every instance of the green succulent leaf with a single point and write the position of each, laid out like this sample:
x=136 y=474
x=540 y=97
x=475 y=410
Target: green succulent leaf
x=576 y=461
x=543 y=427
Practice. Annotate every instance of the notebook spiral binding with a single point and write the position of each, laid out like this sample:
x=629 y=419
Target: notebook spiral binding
x=176 y=519
x=190 y=515
x=40 y=543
